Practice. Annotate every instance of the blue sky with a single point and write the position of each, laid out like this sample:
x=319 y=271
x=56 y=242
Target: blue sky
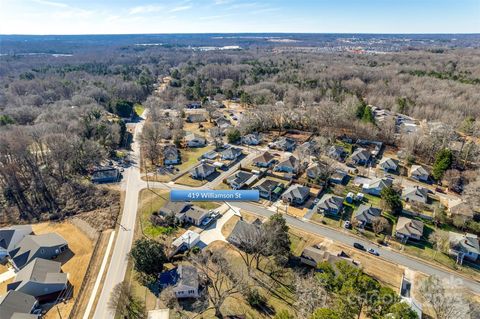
x=222 y=16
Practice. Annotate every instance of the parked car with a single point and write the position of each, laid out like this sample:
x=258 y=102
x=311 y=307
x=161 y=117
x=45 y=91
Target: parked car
x=316 y=200
x=373 y=252
x=214 y=214
x=347 y=225
x=359 y=246
x=207 y=221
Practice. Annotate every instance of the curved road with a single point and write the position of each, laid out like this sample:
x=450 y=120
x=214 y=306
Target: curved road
x=123 y=243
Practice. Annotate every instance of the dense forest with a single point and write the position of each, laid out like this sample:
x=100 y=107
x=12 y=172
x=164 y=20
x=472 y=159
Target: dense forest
x=62 y=105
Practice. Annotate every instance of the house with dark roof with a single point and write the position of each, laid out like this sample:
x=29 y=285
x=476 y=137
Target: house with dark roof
x=241 y=179
x=46 y=246
x=17 y=305
x=171 y=156
x=11 y=236
x=288 y=165
x=231 y=153
x=184 y=212
x=284 y=144
x=361 y=156
x=264 y=160
x=195 y=215
x=408 y=228
x=183 y=280
x=194 y=140
x=375 y=187
x=415 y=194
x=296 y=194
x=39 y=278
x=251 y=139
x=339 y=176
x=330 y=204
x=366 y=214
x=388 y=164
x=312 y=256
x=196 y=118
x=419 y=173
x=243 y=231
x=193 y=105
x=202 y=171
x=269 y=189
x=105 y=175
x=464 y=246
x=314 y=171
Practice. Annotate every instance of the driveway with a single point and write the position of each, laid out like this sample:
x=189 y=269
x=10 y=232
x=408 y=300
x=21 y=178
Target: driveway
x=214 y=231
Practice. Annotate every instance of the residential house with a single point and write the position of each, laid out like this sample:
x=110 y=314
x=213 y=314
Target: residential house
x=196 y=118
x=105 y=175
x=171 y=156
x=193 y=140
x=231 y=153
x=187 y=241
x=296 y=194
x=375 y=187
x=46 y=246
x=314 y=171
x=415 y=194
x=419 y=173
x=284 y=144
x=184 y=212
x=408 y=228
x=17 y=305
x=223 y=123
x=330 y=205
x=202 y=171
x=241 y=179
x=195 y=215
x=366 y=214
x=242 y=231
x=183 y=280
x=462 y=209
x=339 y=176
x=11 y=236
x=464 y=246
x=264 y=160
x=251 y=139
x=39 y=278
x=388 y=164
x=312 y=256
x=288 y=165
x=194 y=105
x=269 y=189
x=336 y=152
x=211 y=155
x=361 y=156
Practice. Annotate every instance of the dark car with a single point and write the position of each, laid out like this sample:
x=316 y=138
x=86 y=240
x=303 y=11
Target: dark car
x=358 y=246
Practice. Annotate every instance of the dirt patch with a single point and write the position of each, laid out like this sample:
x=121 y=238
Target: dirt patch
x=229 y=225
x=74 y=262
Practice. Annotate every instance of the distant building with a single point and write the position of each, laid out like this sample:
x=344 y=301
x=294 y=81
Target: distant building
x=408 y=228
x=269 y=189
x=361 y=156
x=183 y=280
x=338 y=177
x=464 y=246
x=415 y=194
x=314 y=171
x=202 y=171
x=336 y=152
x=105 y=175
x=251 y=139
x=376 y=186
x=288 y=165
x=284 y=144
x=17 y=305
x=264 y=160
x=39 y=278
x=46 y=246
x=419 y=173
x=366 y=214
x=196 y=118
x=231 y=153
x=296 y=194
x=193 y=140
x=330 y=205
x=241 y=179
x=171 y=156
x=388 y=164
x=194 y=105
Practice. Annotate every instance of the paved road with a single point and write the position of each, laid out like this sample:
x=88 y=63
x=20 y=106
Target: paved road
x=118 y=263
x=348 y=239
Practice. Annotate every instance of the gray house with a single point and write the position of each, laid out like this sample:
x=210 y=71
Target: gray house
x=231 y=153
x=242 y=231
x=264 y=160
x=193 y=140
x=366 y=214
x=314 y=171
x=251 y=139
x=105 y=175
x=388 y=164
x=202 y=171
x=419 y=173
x=17 y=305
x=336 y=152
x=408 y=228
x=288 y=165
x=376 y=186
x=241 y=179
x=330 y=205
x=171 y=155
x=11 y=236
x=284 y=144
x=361 y=156
x=184 y=212
x=415 y=194
x=296 y=194
x=269 y=189
x=46 y=246
x=464 y=246
x=183 y=280
x=39 y=278
x=196 y=118
x=338 y=177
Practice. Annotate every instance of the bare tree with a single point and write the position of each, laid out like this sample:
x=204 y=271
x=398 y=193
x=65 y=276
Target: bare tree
x=379 y=224
x=123 y=302
x=310 y=295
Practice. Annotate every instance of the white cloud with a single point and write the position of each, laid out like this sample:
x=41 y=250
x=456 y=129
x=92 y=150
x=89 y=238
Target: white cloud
x=145 y=9
x=51 y=3
x=180 y=8
x=220 y=2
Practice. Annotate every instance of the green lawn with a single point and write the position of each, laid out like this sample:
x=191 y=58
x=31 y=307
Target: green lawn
x=150 y=202
x=138 y=109
x=190 y=156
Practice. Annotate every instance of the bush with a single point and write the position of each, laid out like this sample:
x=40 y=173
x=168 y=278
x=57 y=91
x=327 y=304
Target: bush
x=255 y=299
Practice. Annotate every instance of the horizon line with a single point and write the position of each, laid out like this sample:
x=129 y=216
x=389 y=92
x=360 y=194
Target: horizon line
x=260 y=32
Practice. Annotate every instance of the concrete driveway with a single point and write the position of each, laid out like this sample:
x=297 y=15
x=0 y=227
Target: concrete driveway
x=214 y=231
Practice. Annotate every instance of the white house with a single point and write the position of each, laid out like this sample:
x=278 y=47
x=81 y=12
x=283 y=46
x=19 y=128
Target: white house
x=464 y=246
x=388 y=164
x=183 y=280
x=186 y=241
x=193 y=140
x=376 y=186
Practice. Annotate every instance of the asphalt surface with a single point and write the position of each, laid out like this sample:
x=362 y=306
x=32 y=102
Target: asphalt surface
x=385 y=253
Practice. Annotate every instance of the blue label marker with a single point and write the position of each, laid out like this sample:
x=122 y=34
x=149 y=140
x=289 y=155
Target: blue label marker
x=206 y=195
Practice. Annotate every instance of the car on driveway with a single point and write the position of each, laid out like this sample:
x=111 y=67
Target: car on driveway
x=214 y=214
x=373 y=252
x=207 y=221
x=359 y=246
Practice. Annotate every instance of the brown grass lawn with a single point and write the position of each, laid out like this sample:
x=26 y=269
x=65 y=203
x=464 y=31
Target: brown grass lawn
x=188 y=181
x=74 y=263
x=228 y=226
